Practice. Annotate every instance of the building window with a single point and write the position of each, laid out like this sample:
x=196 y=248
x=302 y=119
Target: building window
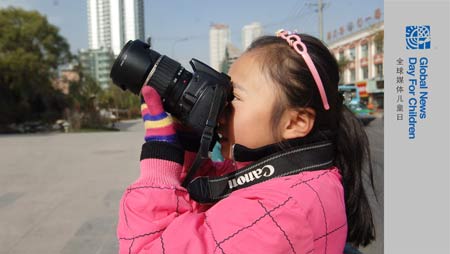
x=341 y=56
x=380 y=84
x=365 y=72
x=352 y=75
x=379 y=70
x=379 y=47
x=379 y=40
x=351 y=54
x=364 y=50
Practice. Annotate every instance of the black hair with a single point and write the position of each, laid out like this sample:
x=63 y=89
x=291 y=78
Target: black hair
x=297 y=89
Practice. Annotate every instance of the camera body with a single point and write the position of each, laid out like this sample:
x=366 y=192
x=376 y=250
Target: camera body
x=196 y=99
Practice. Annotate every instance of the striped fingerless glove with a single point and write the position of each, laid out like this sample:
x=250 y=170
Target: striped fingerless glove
x=158 y=124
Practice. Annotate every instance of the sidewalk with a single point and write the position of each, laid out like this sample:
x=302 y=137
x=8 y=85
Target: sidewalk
x=59 y=193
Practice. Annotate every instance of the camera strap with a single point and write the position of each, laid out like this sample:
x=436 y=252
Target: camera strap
x=309 y=157
x=207 y=135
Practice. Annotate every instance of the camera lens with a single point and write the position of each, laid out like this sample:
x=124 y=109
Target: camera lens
x=138 y=65
x=132 y=66
x=191 y=100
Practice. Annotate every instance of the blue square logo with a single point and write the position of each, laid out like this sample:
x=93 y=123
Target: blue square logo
x=418 y=37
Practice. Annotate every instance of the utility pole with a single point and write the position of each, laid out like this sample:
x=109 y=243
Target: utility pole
x=320 y=6
x=320 y=10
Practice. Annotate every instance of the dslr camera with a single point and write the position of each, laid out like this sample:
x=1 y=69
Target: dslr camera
x=196 y=99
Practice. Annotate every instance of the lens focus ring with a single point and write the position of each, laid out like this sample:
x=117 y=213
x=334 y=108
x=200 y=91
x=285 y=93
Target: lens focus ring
x=165 y=72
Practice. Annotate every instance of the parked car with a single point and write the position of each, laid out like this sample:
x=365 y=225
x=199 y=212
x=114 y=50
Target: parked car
x=364 y=114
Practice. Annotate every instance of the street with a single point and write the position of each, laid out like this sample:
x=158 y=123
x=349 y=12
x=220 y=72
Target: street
x=59 y=193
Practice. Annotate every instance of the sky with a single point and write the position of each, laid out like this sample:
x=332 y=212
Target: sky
x=180 y=28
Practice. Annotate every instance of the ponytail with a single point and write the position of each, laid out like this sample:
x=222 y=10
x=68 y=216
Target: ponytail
x=353 y=155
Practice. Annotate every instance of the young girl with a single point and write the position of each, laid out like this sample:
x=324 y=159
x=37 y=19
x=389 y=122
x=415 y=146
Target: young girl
x=286 y=115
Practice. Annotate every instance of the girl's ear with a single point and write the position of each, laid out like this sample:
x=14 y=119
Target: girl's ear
x=297 y=123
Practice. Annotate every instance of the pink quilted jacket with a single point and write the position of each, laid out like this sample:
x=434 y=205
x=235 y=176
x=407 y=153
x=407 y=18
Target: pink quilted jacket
x=303 y=213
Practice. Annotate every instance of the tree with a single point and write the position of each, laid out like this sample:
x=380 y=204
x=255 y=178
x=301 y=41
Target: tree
x=117 y=99
x=31 y=50
x=84 y=94
x=225 y=65
x=83 y=90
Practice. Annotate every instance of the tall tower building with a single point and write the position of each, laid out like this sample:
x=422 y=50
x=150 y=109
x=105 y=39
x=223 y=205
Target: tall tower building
x=250 y=33
x=219 y=37
x=99 y=24
x=113 y=22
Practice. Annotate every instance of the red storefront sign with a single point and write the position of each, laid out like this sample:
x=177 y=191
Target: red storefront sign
x=362 y=88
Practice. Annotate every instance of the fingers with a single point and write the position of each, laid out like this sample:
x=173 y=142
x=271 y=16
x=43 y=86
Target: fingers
x=153 y=100
x=152 y=110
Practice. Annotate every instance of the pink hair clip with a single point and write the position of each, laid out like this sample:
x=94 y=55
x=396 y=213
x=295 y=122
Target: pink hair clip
x=296 y=43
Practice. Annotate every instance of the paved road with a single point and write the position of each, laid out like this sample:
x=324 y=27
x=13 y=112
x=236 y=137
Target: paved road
x=59 y=192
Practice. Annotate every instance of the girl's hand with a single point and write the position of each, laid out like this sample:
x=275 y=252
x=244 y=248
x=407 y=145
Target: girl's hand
x=158 y=124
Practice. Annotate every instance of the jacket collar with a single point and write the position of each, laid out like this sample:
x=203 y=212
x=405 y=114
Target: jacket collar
x=242 y=155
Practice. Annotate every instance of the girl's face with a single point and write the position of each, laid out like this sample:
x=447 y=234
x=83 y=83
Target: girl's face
x=247 y=120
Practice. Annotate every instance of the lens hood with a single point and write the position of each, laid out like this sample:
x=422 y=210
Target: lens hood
x=131 y=67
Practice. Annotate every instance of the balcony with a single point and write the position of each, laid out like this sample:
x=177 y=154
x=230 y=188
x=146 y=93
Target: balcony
x=378 y=58
x=351 y=65
x=364 y=61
